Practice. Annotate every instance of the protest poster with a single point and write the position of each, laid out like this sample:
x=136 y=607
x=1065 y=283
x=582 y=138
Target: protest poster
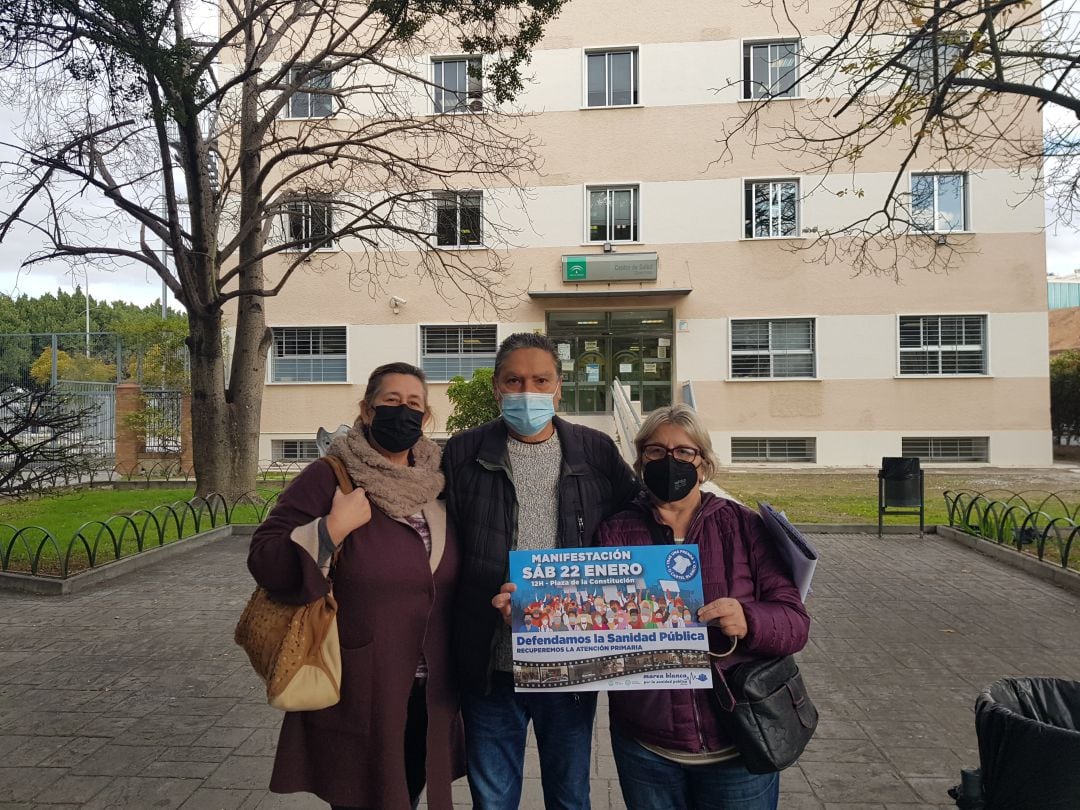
x=591 y=619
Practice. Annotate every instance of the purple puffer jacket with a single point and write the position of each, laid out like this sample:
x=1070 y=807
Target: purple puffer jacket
x=726 y=534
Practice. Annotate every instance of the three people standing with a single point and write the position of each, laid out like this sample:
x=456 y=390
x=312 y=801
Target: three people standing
x=423 y=600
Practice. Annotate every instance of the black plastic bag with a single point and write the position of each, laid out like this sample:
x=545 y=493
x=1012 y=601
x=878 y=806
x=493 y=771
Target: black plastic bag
x=1029 y=744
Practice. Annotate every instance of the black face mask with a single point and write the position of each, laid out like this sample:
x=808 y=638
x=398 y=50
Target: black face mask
x=670 y=480
x=396 y=428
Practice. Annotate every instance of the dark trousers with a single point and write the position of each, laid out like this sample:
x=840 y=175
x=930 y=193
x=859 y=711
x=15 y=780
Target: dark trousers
x=415 y=744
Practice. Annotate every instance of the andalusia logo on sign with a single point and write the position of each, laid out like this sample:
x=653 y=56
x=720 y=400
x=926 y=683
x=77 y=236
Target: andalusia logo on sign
x=575 y=268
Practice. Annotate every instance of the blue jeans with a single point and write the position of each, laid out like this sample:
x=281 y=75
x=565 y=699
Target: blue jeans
x=650 y=782
x=495 y=729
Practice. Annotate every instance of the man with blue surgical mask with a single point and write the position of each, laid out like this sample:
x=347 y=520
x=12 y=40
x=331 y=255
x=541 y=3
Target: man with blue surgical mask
x=528 y=480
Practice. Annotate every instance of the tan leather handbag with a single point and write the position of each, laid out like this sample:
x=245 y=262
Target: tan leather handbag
x=295 y=648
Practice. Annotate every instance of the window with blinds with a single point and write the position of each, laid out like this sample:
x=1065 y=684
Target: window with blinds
x=956 y=449
x=309 y=354
x=943 y=344
x=451 y=351
x=293 y=450
x=782 y=347
x=780 y=450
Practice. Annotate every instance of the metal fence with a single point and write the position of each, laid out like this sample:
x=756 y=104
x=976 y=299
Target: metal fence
x=162 y=409
x=41 y=360
x=1044 y=524
x=37 y=551
x=96 y=401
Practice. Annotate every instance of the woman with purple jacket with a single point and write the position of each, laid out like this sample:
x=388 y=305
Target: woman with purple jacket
x=672 y=748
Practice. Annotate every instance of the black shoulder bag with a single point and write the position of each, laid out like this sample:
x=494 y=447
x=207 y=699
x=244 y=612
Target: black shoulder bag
x=771 y=717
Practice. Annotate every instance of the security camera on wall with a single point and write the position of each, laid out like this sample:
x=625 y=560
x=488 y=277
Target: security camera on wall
x=396 y=303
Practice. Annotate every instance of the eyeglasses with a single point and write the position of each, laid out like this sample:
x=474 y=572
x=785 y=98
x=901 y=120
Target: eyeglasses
x=655 y=452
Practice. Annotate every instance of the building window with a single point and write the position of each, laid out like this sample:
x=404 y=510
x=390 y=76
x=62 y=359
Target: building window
x=771 y=208
x=612 y=78
x=451 y=351
x=933 y=58
x=293 y=450
x=773 y=348
x=309 y=354
x=309 y=99
x=309 y=224
x=613 y=214
x=774 y=450
x=458 y=85
x=771 y=69
x=954 y=449
x=939 y=202
x=943 y=344
x=459 y=218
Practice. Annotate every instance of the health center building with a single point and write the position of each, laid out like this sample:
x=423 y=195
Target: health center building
x=649 y=260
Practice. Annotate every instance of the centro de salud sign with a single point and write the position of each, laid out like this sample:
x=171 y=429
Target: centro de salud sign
x=610 y=267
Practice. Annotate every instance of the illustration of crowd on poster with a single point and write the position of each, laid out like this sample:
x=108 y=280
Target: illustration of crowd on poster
x=609 y=610
x=612 y=618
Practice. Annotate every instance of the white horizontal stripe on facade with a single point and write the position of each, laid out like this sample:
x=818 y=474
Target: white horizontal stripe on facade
x=711 y=210
x=865 y=347
x=840 y=448
x=848 y=347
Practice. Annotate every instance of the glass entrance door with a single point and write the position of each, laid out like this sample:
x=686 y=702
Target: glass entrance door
x=596 y=348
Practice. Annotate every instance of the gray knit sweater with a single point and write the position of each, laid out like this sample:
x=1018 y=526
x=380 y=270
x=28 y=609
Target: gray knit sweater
x=535 y=470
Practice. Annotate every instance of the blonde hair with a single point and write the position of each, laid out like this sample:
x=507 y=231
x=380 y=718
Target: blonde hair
x=685 y=417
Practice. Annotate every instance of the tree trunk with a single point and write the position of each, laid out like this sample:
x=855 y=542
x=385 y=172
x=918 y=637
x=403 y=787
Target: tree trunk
x=225 y=427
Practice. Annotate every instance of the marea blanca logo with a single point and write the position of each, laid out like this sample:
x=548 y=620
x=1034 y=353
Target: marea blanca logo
x=681 y=565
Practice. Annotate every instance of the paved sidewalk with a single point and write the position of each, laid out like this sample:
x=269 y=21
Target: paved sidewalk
x=132 y=694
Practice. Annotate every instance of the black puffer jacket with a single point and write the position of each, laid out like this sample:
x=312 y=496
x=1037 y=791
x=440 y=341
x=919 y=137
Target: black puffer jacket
x=482 y=504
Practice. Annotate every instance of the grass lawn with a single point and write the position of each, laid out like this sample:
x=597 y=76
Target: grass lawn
x=64 y=515
x=849 y=496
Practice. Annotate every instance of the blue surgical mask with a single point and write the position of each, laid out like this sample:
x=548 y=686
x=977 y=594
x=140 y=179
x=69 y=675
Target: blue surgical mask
x=529 y=413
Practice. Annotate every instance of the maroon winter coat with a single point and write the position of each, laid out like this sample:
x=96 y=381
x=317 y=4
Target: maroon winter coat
x=390 y=608
x=777 y=624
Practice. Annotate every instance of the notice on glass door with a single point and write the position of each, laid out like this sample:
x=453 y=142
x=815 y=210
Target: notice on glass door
x=626 y=368
x=592 y=372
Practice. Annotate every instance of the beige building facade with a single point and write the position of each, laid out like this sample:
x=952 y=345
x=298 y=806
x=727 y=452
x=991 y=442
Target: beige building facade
x=649 y=261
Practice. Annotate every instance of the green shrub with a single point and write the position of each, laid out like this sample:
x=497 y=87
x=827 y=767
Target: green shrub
x=473 y=400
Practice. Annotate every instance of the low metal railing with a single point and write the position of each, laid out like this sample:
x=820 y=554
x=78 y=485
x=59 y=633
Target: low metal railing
x=627 y=420
x=102 y=472
x=1044 y=524
x=37 y=551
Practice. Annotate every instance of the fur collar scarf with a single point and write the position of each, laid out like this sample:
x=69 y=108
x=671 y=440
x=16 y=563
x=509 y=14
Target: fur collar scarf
x=396 y=490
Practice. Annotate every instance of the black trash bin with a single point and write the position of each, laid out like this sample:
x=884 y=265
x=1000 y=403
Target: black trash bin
x=900 y=484
x=1029 y=746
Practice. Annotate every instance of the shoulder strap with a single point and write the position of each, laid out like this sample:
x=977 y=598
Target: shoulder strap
x=344 y=481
